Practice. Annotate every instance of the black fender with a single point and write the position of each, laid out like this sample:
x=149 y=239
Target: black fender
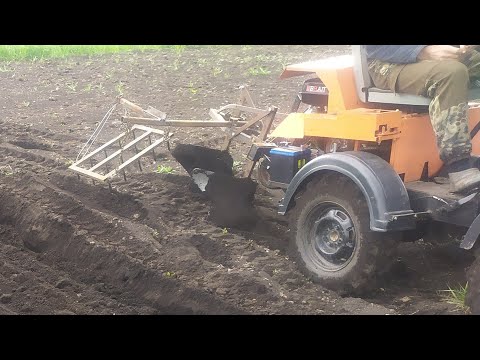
x=384 y=191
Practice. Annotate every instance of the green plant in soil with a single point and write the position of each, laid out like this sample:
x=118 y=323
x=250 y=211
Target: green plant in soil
x=161 y=169
x=456 y=296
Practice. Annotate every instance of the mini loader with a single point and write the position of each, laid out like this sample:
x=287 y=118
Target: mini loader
x=359 y=169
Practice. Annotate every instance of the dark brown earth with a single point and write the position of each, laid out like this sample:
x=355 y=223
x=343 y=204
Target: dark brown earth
x=69 y=246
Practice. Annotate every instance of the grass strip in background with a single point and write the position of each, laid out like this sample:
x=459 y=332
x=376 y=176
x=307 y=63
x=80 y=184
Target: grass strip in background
x=41 y=52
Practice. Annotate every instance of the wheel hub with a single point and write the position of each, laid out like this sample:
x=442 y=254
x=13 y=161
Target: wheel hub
x=334 y=236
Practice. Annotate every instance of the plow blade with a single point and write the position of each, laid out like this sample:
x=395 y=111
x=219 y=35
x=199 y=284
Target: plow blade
x=212 y=172
x=231 y=197
x=195 y=156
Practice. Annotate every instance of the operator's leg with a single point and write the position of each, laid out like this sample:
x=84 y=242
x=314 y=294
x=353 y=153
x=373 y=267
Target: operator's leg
x=446 y=83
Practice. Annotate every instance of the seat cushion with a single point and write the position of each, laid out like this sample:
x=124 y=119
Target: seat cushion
x=386 y=96
x=474 y=94
x=377 y=95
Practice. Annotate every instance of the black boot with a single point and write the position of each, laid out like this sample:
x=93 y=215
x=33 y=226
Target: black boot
x=463 y=176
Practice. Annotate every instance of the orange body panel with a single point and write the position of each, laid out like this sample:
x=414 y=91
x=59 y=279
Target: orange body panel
x=342 y=95
x=474 y=119
x=413 y=139
x=414 y=147
x=375 y=125
x=337 y=74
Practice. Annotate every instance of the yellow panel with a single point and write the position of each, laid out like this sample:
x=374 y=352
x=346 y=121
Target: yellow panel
x=292 y=127
x=338 y=127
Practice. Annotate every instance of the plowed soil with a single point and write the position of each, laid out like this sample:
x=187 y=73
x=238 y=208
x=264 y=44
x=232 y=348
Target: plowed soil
x=148 y=245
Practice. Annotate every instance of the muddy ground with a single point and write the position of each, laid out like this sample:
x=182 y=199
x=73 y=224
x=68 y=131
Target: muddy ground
x=69 y=246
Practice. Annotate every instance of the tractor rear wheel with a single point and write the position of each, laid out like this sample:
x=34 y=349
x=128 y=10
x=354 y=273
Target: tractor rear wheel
x=332 y=241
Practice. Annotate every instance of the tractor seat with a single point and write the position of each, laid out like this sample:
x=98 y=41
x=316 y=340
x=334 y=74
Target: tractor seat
x=368 y=93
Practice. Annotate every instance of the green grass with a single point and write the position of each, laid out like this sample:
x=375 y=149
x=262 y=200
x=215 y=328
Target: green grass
x=237 y=166
x=39 y=52
x=456 y=296
x=258 y=70
x=192 y=88
x=6 y=170
x=164 y=169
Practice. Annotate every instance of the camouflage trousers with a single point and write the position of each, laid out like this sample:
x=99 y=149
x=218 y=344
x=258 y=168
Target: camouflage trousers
x=446 y=83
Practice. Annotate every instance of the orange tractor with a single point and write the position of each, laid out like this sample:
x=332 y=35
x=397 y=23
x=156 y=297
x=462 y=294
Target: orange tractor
x=378 y=178
x=359 y=167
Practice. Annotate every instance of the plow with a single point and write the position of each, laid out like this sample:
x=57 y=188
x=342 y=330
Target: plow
x=144 y=130
x=358 y=167
x=143 y=133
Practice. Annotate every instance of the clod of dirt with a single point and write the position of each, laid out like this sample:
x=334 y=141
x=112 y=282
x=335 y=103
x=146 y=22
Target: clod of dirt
x=232 y=200
x=63 y=283
x=6 y=298
x=194 y=156
x=41 y=237
x=64 y=312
